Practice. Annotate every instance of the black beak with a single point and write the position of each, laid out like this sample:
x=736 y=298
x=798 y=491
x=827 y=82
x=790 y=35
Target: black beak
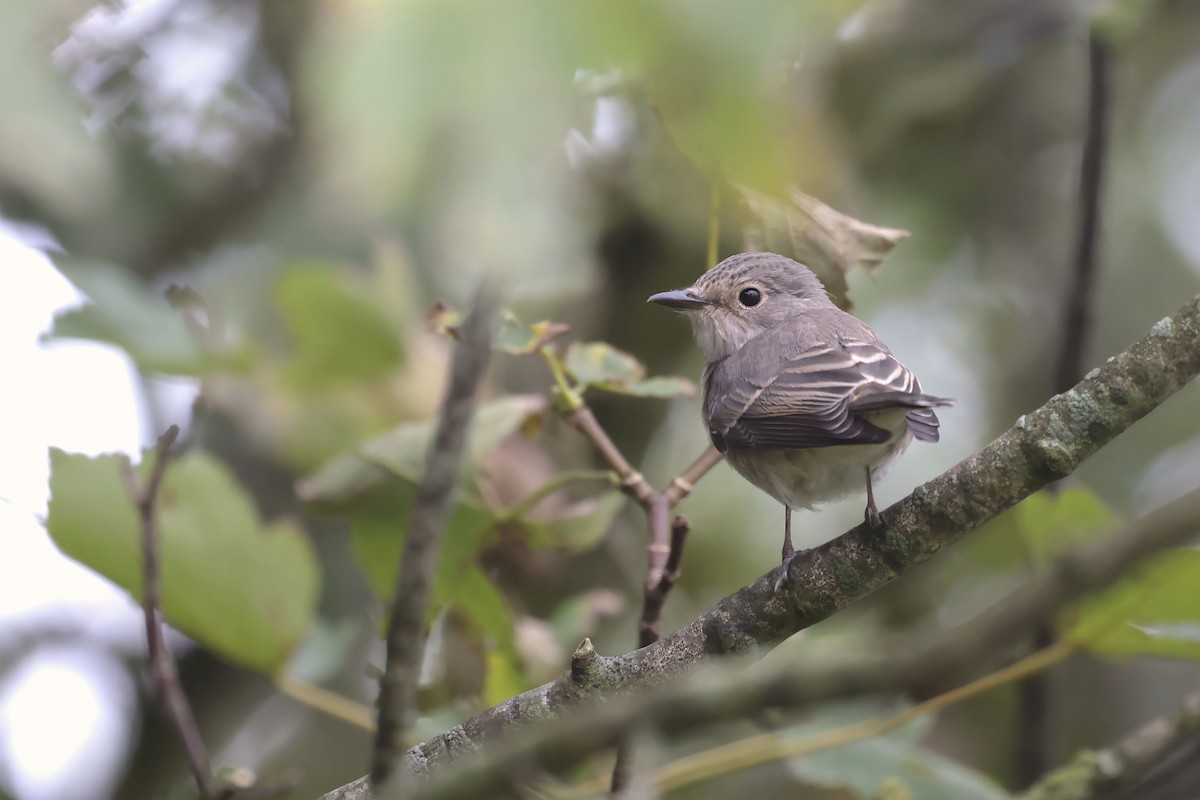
x=680 y=298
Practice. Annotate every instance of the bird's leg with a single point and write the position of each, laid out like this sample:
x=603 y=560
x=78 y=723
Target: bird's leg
x=789 y=552
x=871 y=515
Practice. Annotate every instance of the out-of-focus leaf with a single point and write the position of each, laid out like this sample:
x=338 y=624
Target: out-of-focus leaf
x=826 y=241
x=1049 y=522
x=377 y=539
x=1040 y=527
x=579 y=528
x=891 y=763
x=1155 y=611
x=124 y=312
x=399 y=456
x=246 y=591
x=599 y=365
x=517 y=338
x=339 y=334
x=513 y=337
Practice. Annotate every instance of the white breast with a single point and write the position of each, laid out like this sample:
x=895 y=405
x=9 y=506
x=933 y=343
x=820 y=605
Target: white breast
x=804 y=478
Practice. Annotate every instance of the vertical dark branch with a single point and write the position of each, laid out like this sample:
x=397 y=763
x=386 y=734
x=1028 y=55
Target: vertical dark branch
x=1076 y=312
x=414 y=581
x=1033 y=694
x=164 y=676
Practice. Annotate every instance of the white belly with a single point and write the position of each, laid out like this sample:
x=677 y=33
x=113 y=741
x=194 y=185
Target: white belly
x=804 y=478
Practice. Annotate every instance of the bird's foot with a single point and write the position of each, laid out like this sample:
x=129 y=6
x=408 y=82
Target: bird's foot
x=872 y=518
x=788 y=557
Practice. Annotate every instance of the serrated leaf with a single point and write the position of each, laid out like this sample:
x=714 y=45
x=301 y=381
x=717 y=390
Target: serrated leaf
x=1155 y=611
x=242 y=589
x=399 y=455
x=339 y=335
x=123 y=311
x=599 y=365
x=826 y=241
x=895 y=762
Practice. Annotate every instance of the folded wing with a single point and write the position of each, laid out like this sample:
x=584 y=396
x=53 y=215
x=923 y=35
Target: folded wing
x=782 y=392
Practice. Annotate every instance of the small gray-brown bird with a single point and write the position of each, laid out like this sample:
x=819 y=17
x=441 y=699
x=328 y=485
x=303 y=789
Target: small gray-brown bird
x=803 y=399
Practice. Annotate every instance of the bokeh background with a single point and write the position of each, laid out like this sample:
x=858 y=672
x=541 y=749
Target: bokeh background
x=318 y=173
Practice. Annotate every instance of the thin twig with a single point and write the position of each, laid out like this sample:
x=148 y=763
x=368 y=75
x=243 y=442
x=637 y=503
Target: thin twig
x=681 y=486
x=1034 y=695
x=166 y=683
x=422 y=544
x=656 y=595
x=633 y=483
x=649 y=631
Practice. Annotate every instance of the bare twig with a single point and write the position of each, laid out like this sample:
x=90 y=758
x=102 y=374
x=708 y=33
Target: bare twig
x=162 y=667
x=656 y=594
x=661 y=547
x=422 y=544
x=1123 y=766
x=1033 y=694
x=1044 y=446
x=705 y=699
x=650 y=629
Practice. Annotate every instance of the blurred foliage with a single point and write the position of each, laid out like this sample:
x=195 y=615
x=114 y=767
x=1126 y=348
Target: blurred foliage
x=241 y=588
x=281 y=203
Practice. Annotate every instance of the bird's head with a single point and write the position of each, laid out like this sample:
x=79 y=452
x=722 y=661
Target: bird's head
x=743 y=296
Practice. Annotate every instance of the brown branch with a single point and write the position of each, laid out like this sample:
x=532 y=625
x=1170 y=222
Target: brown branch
x=650 y=629
x=725 y=694
x=1125 y=765
x=1044 y=446
x=656 y=595
x=167 y=687
x=633 y=483
x=423 y=540
x=682 y=485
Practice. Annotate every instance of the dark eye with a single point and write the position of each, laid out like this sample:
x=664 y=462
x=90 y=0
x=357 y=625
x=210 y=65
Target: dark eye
x=750 y=297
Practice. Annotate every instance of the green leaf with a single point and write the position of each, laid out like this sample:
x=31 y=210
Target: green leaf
x=599 y=365
x=245 y=591
x=1038 y=528
x=517 y=338
x=826 y=241
x=891 y=763
x=338 y=333
x=579 y=528
x=396 y=457
x=1155 y=611
x=122 y=311
x=1050 y=522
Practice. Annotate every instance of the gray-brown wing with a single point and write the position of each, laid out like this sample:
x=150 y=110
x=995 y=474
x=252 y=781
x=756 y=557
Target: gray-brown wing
x=780 y=392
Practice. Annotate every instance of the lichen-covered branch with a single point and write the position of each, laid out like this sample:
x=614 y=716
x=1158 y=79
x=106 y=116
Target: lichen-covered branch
x=725 y=693
x=1044 y=446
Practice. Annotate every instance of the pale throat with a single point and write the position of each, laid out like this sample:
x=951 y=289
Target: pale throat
x=720 y=334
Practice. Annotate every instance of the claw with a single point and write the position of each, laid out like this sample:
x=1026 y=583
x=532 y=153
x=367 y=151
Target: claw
x=788 y=558
x=871 y=515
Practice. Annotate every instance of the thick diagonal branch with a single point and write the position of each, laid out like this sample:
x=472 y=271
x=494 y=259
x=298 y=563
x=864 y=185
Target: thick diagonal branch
x=1044 y=446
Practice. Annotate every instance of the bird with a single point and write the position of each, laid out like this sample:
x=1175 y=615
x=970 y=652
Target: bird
x=803 y=399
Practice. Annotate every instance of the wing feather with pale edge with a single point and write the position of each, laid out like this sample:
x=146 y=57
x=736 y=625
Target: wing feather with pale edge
x=783 y=392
